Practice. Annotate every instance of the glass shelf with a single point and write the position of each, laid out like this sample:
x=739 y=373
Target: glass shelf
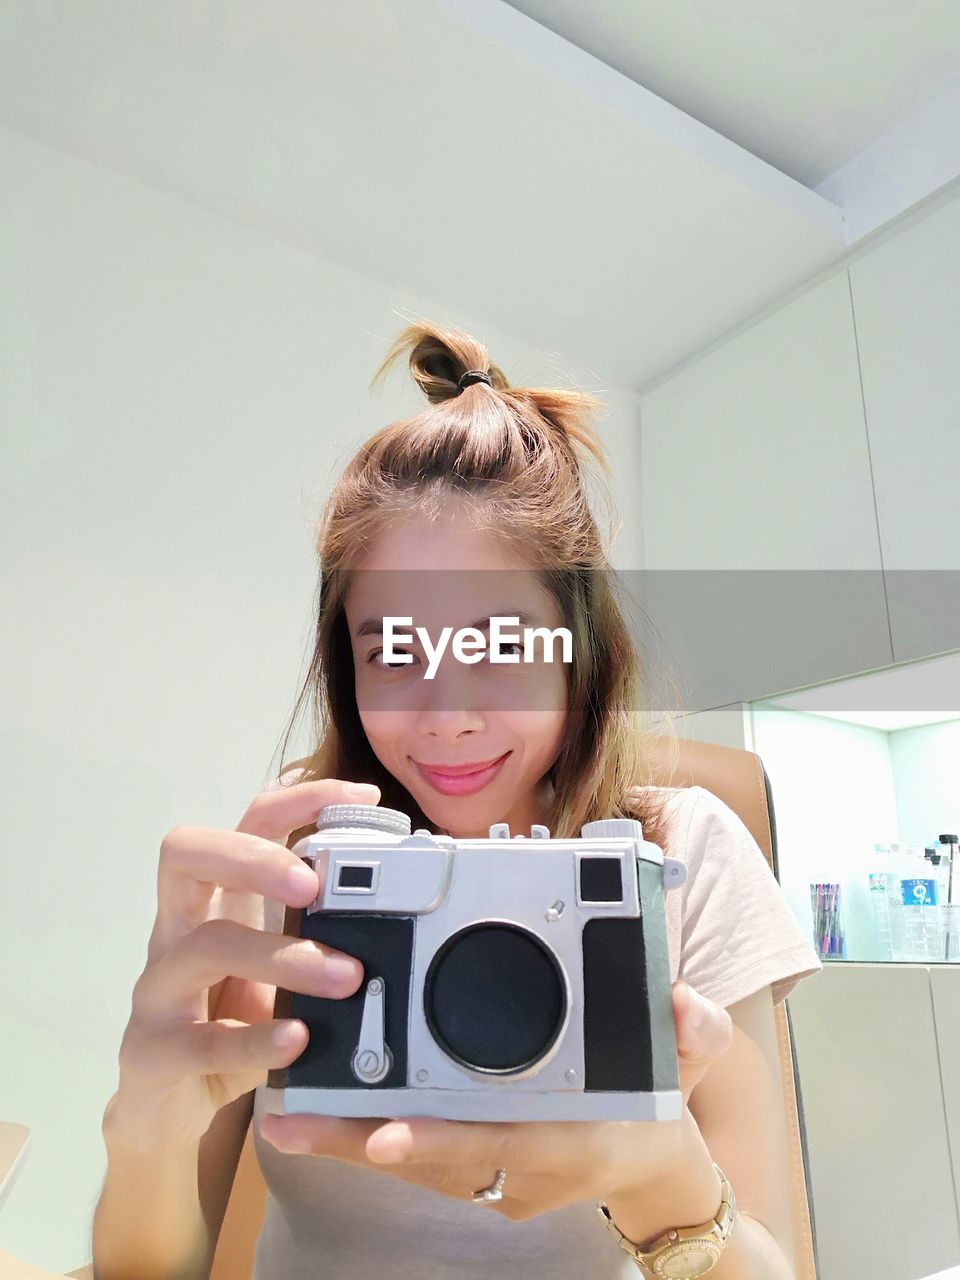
x=865 y=777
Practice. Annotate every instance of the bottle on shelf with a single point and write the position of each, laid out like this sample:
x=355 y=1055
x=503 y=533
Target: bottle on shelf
x=884 y=887
x=921 y=912
x=898 y=939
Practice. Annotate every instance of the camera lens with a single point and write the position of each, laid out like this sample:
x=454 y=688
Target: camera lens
x=494 y=998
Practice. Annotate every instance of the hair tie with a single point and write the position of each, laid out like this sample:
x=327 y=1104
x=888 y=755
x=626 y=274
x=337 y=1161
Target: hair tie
x=471 y=376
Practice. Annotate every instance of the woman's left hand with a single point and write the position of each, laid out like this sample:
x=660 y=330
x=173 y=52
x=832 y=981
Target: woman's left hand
x=549 y=1164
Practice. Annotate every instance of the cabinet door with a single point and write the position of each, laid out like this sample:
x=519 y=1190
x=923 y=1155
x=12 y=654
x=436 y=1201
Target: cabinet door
x=762 y=563
x=945 y=981
x=878 y=1153
x=906 y=294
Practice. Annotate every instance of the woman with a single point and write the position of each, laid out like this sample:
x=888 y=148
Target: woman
x=473 y=509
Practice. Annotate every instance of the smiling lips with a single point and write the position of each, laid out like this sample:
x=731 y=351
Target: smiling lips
x=461 y=779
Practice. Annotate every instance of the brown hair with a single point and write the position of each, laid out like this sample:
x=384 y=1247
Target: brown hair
x=515 y=457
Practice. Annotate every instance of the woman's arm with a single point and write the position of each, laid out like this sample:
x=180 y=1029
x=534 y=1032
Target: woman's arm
x=736 y=1117
x=160 y=1212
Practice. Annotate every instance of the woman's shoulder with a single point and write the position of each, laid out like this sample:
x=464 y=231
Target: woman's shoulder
x=689 y=799
x=693 y=817
x=675 y=803
x=673 y=793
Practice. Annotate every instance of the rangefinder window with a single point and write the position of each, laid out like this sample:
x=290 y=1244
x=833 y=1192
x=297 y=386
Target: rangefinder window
x=601 y=879
x=355 y=876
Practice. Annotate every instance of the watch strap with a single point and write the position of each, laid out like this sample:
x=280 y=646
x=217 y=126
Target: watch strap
x=714 y=1233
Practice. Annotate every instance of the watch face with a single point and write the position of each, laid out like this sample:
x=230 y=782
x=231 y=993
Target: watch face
x=687 y=1260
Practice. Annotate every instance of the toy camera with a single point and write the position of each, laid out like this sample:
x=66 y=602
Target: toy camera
x=504 y=979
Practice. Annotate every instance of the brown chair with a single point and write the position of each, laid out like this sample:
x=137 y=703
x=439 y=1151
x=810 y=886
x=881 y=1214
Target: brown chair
x=738 y=778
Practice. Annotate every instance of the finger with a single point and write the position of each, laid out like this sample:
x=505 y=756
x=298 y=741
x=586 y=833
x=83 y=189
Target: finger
x=175 y=986
x=360 y=1141
x=704 y=1033
x=541 y=1147
x=274 y=814
x=704 y=1028
x=336 y=1136
x=350 y=1141
x=233 y=860
x=226 y=1047
x=196 y=861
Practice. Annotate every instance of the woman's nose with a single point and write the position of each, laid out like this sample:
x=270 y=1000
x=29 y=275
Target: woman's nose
x=450 y=699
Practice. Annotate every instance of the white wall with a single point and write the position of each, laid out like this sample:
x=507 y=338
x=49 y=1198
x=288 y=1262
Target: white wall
x=834 y=798
x=926 y=765
x=178 y=393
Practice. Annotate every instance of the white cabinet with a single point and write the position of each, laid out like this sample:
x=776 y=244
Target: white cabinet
x=945 y=987
x=906 y=294
x=878 y=1044
x=873 y=1088
x=759 y=531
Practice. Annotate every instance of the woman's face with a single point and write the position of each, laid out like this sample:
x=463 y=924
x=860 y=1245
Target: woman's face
x=443 y=574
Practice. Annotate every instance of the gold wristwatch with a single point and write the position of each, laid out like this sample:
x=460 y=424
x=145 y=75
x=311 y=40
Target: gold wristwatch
x=682 y=1253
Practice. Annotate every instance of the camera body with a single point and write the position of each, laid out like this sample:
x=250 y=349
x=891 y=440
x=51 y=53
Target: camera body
x=504 y=979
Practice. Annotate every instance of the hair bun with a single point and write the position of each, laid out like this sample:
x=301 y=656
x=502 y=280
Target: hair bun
x=440 y=359
x=532 y=421
x=472 y=376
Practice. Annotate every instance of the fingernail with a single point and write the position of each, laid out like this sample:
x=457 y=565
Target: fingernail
x=698 y=1009
x=301 y=879
x=343 y=971
x=276 y=1138
x=400 y=1139
x=293 y=1146
x=363 y=790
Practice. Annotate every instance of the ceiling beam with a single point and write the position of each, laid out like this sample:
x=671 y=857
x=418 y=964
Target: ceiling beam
x=914 y=159
x=610 y=89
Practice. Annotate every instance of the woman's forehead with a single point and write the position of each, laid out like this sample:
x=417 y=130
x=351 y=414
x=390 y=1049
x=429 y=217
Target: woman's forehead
x=452 y=597
x=451 y=540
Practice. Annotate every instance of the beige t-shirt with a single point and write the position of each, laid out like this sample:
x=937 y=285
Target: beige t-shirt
x=730 y=932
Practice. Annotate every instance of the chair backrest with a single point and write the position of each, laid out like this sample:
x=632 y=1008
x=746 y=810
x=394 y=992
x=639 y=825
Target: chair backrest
x=738 y=778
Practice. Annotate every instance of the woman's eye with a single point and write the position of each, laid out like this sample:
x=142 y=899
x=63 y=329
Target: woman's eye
x=389 y=666
x=508 y=644
x=506 y=648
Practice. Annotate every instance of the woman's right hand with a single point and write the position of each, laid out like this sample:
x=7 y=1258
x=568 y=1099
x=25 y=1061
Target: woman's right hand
x=201 y=1029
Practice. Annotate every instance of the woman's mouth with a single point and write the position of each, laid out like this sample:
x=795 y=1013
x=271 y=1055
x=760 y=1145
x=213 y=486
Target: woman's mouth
x=461 y=780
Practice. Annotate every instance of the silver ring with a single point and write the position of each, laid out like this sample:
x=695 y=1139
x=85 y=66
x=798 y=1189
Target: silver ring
x=489 y=1194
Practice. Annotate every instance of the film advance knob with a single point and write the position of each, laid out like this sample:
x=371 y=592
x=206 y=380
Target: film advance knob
x=366 y=817
x=617 y=828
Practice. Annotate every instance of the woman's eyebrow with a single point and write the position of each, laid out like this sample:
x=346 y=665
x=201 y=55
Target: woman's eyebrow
x=374 y=626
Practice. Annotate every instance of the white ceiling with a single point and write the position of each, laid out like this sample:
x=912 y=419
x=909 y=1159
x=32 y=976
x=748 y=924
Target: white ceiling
x=804 y=84
x=463 y=152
